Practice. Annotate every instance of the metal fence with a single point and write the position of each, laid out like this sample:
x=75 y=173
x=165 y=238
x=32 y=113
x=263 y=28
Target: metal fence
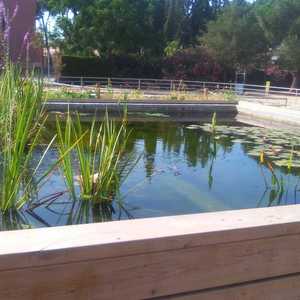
x=165 y=86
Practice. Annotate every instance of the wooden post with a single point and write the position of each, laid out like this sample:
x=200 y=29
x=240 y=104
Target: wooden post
x=98 y=90
x=268 y=86
x=171 y=86
x=81 y=82
x=205 y=93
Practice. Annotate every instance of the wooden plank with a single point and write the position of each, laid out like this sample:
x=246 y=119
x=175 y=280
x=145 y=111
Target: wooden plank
x=28 y=248
x=150 y=258
x=156 y=274
x=285 y=288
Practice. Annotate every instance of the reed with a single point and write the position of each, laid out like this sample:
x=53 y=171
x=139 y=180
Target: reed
x=101 y=171
x=214 y=123
x=64 y=143
x=100 y=154
x=21 y=121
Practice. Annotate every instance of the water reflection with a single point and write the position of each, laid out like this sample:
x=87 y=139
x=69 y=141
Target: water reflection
x=182 y=171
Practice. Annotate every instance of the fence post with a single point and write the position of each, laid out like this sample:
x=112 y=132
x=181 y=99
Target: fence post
x=139 y=84
x=81 y=82
x=205 y=93
x=171 y=86
x=98 y=90
x=268 y=87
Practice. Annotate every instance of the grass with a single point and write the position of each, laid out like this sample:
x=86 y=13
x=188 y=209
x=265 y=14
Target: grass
x=65 y=93
x=179 y=94
x=21 y=121
x=64 y=143
x=99 y=151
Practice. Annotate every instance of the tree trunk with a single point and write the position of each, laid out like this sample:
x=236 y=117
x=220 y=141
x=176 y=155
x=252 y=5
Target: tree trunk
x=296 y=81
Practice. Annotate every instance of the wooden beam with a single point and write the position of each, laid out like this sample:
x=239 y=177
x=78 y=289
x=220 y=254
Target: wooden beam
x=150 y=258
x=282 y=288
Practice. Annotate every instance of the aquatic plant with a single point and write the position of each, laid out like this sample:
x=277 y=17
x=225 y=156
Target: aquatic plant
x=214 y=123
x=290 y=160
x=99 y=152
x=64 y=93
x=65 y=142
x=21 y=121
x=136 y=94
x=101 y=170
x=229 y=95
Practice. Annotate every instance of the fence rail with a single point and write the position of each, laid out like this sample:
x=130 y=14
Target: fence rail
x=166 y=85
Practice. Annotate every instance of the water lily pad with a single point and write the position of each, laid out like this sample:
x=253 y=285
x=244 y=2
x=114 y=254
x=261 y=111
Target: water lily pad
x=158 y=115
x=238 y=141
x=193 y=127
x=254 y=153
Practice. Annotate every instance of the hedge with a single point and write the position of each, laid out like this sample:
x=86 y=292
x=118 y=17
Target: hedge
x=115 y=66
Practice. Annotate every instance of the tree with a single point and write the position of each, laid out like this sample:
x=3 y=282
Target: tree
x=235 y=37
x=103 y=27
x=280 y=21
x=111 y=26
x=186 y=20
x=174 y=19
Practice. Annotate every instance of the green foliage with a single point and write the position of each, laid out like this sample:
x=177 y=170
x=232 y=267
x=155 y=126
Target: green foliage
x=106 y=27
x=235 y=37
x=99 y=151
x=229 y=95
x=67 y=94
x=280 y=21
x=64 y=143
x=21 y=121
x=172 y=48
x=289 y=55
x=238 y=33
x=113 y=66
x=214 y=123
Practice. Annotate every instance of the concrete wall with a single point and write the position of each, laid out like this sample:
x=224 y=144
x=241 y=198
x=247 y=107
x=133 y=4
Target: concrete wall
x=272 y=114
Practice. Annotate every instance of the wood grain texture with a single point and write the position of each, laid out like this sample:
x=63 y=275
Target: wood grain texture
x=150 y=258
x=285 y=288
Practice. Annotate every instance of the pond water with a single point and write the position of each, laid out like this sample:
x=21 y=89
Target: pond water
x=182 y=169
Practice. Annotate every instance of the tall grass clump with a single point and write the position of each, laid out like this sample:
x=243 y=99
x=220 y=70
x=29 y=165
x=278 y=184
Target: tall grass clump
x=100 y=151
x=21 y=122
x=64 y=143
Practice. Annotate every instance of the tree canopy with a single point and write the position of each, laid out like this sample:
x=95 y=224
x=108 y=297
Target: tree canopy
x=239 y=34
x=280 y=21
x=236 y=38
x=129 y=26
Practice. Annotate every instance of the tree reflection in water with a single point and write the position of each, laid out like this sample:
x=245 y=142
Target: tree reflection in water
x=158 y=143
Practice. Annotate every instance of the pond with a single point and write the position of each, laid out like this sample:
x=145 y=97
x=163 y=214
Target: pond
x=178 y=168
